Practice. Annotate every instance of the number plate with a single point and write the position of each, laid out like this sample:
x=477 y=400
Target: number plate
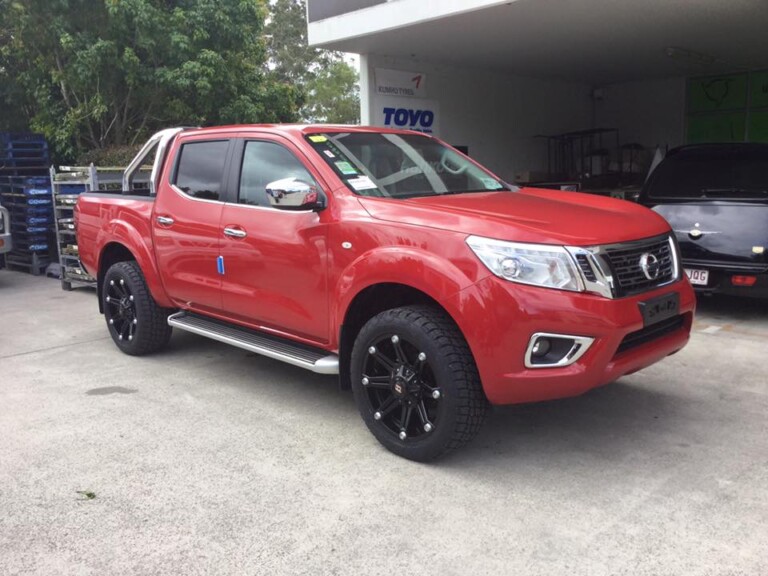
x=661 y=308
x=697 y=277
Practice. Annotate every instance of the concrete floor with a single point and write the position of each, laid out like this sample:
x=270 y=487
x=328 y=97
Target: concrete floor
x=208 y=460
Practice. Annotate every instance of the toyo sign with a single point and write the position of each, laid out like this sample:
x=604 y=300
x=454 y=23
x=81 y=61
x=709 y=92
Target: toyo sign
x=402 y=117
x=409 y=114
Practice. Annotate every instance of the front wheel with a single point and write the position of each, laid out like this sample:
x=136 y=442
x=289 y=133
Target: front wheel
x=136 y=323
x=416 y=384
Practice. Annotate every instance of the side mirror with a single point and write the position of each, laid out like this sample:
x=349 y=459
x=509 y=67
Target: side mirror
x=295 y=194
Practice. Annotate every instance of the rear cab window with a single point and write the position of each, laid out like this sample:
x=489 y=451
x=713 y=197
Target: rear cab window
x=711 y=173
x=200 y=169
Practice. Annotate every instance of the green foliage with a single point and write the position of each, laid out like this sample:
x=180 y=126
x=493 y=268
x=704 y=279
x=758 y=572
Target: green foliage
x=109 y=156
x=92 y=74
x=333 y=95
x=328 y=83
x=98 y=76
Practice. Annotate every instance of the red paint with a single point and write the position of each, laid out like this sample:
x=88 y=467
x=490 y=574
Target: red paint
x=291 y=275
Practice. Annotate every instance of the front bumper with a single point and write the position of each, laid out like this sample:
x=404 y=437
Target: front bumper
x=498 y=318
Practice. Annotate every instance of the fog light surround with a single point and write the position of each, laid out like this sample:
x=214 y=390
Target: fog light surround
x=546 y=350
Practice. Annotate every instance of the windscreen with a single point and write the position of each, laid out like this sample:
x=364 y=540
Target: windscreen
x=401 y=165
x=712 y=173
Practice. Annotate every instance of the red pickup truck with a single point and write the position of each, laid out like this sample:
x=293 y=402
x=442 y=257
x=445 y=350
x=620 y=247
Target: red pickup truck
x=429 y=285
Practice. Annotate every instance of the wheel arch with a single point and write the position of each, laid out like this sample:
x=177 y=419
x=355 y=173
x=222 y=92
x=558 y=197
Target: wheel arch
x=117 y=251
x=367 y=303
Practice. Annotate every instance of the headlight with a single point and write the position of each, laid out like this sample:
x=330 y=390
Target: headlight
x=536 y=264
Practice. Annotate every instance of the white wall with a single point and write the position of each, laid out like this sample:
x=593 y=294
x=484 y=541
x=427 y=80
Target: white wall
x=651 y=113
x=495 y=115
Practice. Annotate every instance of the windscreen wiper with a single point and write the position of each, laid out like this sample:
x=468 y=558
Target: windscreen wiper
x=734 y=190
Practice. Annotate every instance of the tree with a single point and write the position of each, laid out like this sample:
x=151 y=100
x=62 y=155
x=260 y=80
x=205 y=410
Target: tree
x=328 y=83
x=97 y=73
x=12 y=112
x=333 y=95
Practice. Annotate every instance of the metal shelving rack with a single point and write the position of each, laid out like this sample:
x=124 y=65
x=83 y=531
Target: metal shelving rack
x=66 y=186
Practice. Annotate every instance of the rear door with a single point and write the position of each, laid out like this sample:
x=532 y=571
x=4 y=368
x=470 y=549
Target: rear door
x=186 y=221
x=276 y=268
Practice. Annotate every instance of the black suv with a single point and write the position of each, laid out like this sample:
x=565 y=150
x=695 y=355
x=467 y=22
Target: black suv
x=715 y=197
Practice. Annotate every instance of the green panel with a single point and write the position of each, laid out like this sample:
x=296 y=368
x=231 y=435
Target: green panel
x=759 y=89
x=714 y=93
x=758 y=126
x=727 y=127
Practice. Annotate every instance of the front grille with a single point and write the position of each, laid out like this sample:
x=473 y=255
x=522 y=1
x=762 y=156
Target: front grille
x=628 y=274
x=652 y=332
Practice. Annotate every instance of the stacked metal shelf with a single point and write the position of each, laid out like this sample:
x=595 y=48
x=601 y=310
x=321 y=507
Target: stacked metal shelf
x=25 y=192
x=67 y=185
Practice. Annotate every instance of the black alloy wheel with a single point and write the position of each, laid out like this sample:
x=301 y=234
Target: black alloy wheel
x=136 y=323
x=415 y=382
x=400 y=387
x=120 y=309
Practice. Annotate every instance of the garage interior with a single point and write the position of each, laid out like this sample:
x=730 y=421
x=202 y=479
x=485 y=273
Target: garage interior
x=577 y=94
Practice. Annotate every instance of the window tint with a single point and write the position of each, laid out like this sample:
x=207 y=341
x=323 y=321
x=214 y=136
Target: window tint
x=265 y=162
x=201 y=168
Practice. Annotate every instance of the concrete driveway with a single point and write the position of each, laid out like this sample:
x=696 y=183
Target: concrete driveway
x=208 y=460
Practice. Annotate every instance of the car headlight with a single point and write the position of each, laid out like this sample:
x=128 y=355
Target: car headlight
x=536 y=264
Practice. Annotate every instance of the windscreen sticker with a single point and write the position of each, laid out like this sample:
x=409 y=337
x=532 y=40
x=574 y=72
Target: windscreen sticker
x=329 y=154
x=318 y=138
x=346 y=168
x=492 y=184
x=361 y=183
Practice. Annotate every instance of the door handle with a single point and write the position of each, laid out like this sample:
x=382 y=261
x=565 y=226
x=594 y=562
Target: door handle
x=235 y=233
x=165 y=221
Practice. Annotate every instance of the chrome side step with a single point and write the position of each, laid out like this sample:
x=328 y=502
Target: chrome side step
x=300 y=355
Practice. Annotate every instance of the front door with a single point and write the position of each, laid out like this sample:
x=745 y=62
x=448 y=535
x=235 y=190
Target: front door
x=275 y=260
x=186 y=222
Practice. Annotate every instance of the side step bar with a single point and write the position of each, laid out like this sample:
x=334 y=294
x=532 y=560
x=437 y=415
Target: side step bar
x=300 y=355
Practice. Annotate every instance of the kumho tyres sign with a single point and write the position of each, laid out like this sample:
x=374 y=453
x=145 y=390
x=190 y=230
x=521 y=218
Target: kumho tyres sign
x=400 y=101
x=400 y=83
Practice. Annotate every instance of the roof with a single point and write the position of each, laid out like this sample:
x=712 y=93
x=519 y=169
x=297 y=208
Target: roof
x=302 y=129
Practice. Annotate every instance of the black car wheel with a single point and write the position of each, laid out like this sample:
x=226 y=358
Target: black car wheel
x=136 y=323
x=416 y=384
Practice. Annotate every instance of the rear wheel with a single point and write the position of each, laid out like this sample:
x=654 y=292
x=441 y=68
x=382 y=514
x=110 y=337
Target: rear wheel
x=416 y=384
x=136 y=323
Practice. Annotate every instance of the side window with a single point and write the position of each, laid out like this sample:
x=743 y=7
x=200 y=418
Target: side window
x=201 y=169
x=265 y=162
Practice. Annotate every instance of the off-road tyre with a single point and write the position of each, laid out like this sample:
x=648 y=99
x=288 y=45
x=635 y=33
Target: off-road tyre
x=438 y=423
x=136 y=323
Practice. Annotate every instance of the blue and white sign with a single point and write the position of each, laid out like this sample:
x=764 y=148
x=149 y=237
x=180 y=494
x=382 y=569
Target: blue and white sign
x=407 y=113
